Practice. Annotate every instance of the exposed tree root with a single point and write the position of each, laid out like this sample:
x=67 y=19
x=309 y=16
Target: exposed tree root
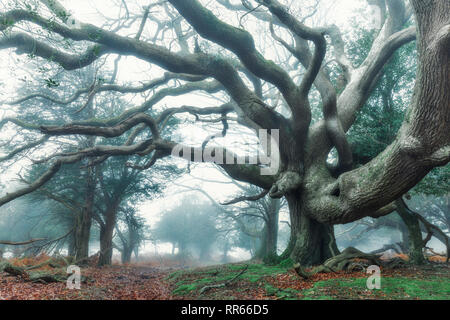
x=350 y=259
x=222 y=285
x=42 y=277
x=13 y=270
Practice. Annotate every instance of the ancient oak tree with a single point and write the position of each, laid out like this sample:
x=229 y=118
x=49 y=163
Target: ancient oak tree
x=213 y=53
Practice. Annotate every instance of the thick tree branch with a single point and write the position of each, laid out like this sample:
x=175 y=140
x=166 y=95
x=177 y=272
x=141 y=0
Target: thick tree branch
x=26 y=44
x=242 y=44
x=96 y=151
x=109 y=132
x=357 y=91
x=424 y=132
x=237 y=40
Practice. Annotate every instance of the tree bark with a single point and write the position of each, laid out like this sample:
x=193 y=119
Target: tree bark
x=106 y=236
x=422 y=142
x=71 y=245
x=415 y=241
x=83 y=231
x=312 y=242
x=83 y=220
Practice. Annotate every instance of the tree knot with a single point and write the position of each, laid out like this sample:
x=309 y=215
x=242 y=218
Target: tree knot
x=287 y=181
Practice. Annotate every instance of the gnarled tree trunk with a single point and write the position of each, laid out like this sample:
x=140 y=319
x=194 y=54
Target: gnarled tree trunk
x=312 y=242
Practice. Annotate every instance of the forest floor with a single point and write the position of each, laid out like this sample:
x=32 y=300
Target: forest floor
x=244 y=281
x=431 y=281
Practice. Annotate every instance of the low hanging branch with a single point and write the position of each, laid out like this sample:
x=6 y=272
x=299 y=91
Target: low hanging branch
x=10 y=243
x=48 y=244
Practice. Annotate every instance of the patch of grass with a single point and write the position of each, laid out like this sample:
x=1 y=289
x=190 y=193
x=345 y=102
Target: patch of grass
x=174 y=275
x=287 y=263
x=256 y=272
x=391 y=288
x=403 y=284
x=435 y=289
x=281 y=294
x=185 y=289
x=188 y=282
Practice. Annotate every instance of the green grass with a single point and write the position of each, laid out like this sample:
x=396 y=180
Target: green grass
x=391 y=288
x=281 y=294
x=190 y=282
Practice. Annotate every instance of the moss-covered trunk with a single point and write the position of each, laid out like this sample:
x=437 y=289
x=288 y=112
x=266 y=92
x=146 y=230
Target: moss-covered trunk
x=311 y=242
x=83 y=221
x=82 y=235
x=415 y=240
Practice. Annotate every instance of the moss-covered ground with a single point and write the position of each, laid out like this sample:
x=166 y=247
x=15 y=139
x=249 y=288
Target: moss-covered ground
x=260 y=281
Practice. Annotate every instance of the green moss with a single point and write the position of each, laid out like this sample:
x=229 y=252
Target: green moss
x=270 y=290
x=188 y=281
x=281 y=294
x=391 y=288
x=185 y=289
x=422 y=289
x=271 y=259
x=173 y=275
x=287 y=263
